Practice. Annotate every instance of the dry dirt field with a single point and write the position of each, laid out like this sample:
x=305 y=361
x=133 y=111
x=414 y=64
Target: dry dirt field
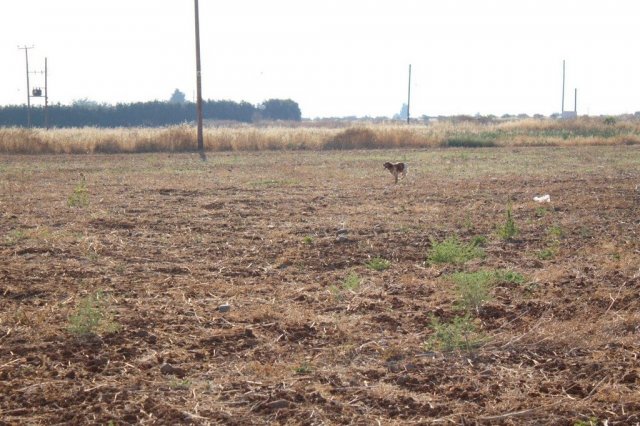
x=111 y=287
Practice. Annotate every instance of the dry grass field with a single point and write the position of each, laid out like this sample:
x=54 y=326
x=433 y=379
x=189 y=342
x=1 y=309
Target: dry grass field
x=317 y=136
x=303 y=287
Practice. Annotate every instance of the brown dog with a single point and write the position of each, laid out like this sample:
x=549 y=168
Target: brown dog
x=396 y=169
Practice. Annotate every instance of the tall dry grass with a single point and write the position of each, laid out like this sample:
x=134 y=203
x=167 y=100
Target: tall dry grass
x=529 y=132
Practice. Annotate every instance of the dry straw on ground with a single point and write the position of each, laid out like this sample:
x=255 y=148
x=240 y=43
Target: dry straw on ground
x=311 y=136
x=114 y=268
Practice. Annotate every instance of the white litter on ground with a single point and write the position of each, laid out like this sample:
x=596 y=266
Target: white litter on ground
x=543 y=198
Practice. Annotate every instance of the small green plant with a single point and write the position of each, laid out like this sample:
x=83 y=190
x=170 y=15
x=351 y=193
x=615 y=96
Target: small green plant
x=547 y=253
x=459 y=334
x=453 y=251
x=555 y=232
x=468 y=223
x=591 y=421
x=479 y=241
x=378 y=264
x=351 y=282
x=541 y=212
x=473 y=288
x=610 y=121
x=91 y=317
x=509 y=229
x=508 y=276
x=303 y=368
x=335 y=292
x=80 y=195
x=14 y=236
x=180 y=383
x=308 y=239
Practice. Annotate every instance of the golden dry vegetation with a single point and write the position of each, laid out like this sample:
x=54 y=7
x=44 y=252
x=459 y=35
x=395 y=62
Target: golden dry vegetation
x=318 y=136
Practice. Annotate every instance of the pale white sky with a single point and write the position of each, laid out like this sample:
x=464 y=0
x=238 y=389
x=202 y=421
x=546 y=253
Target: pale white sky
x=333 y=57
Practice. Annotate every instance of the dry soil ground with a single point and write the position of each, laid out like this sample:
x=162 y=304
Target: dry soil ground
x=110 y=289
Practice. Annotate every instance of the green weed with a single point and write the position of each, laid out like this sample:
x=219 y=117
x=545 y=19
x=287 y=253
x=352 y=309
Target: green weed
x=547 y=253
x=453 y=251
x=303 y=368
x=92 y=316
x=473 y=288
x=591 y=421
x=541 y=212
x=80 y=195
x=508 y=276
x=14 y=236
x=555 y=232
x=479 y=241
x=509 y=229
x=378 y=264
x=179 y=383
x=459 y=334
x=351 y=282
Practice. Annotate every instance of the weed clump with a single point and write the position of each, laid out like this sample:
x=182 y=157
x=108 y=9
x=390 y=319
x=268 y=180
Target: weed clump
x=509 y=229
x=91 y=317
x=350 y=284
x=473 y=288
x=80 y=195
x=453 y=251
x=378 y=264
x=459 y=334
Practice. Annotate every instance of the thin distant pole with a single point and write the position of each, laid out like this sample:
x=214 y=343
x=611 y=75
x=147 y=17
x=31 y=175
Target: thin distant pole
x=26 y=56
x=46 y=96
x=563 y=69
x=575 y=103
x=409 y=96
x=198 y=81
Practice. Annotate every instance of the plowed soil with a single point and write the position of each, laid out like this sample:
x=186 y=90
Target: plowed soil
x=161 y=241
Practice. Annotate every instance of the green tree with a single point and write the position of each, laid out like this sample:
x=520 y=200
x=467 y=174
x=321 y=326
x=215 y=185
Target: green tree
x=177 y=97
x=280 y=109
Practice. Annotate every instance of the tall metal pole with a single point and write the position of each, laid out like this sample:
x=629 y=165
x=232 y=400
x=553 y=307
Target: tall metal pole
x=198 y=81
x=26 y=56
x=46 y=97
x=409 y=96
x=563 y=86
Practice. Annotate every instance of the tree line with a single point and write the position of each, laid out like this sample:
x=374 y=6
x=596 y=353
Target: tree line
x=85 y=113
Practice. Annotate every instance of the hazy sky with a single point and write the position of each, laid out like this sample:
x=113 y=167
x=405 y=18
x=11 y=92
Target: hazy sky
x=333 y=57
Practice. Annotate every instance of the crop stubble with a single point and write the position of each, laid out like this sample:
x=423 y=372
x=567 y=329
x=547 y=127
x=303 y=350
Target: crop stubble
x=166 y=239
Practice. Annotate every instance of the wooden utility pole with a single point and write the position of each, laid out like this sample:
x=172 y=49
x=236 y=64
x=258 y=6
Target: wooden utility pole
x=26 y=56
x=46 y=97
x=198 y=82
x=409 y=96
